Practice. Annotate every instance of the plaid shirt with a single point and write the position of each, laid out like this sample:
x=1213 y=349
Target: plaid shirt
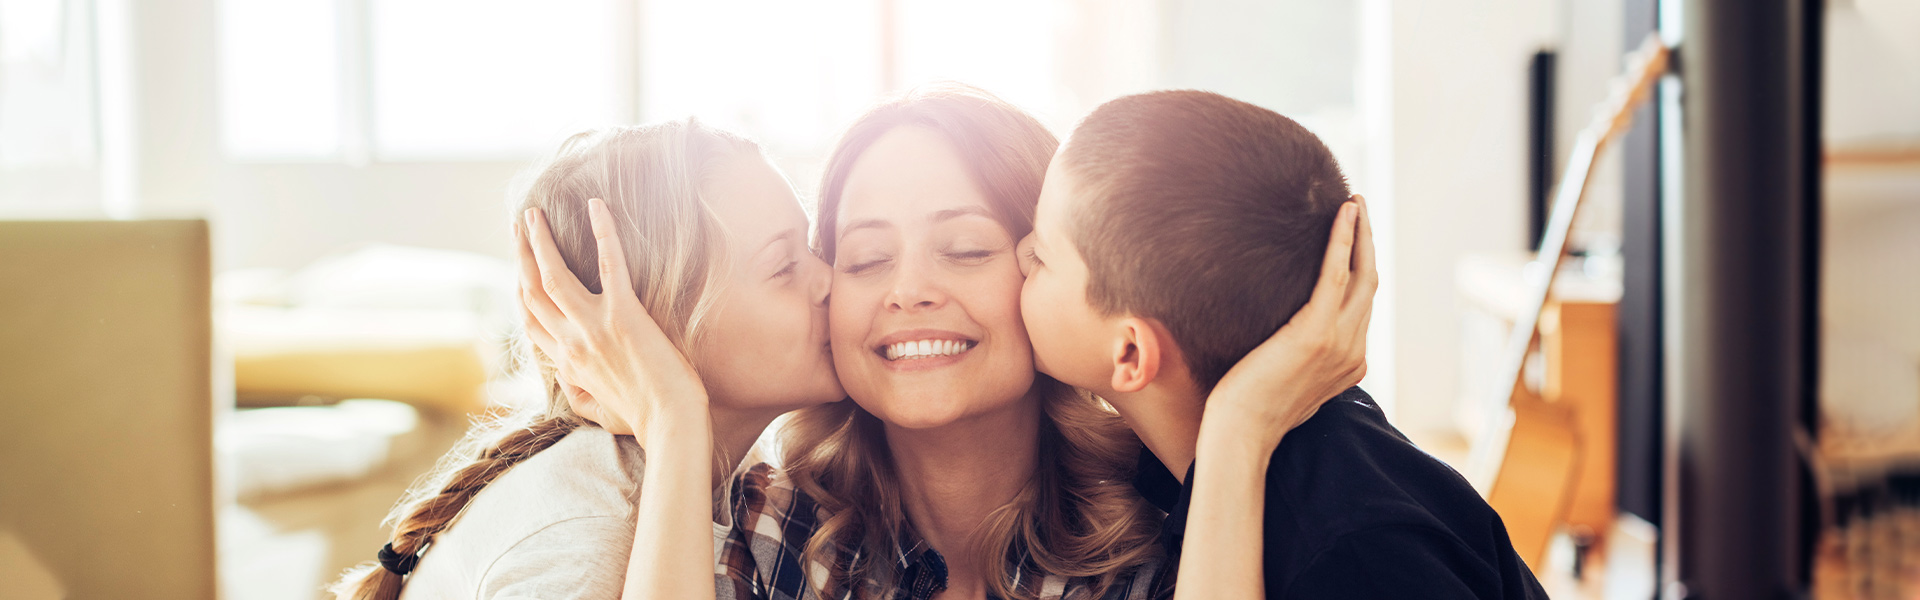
x=773 y=521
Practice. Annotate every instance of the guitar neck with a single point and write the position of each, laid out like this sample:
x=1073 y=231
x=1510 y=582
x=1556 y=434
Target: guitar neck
x=1612 y=116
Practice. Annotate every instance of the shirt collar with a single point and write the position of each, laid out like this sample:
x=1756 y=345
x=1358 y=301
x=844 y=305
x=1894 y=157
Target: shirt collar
x=923 y=570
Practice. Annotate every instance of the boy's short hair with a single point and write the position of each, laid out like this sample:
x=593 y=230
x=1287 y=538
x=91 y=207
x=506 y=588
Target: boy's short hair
x=1208 y=214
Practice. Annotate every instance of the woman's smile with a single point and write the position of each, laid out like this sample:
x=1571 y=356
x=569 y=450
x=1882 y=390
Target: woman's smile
x=923 y=349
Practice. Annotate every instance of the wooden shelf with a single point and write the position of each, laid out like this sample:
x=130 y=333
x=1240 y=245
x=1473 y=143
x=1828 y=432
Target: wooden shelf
x=1892 y=156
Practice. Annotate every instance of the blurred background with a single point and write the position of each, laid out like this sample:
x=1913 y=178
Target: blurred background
x=330 y=177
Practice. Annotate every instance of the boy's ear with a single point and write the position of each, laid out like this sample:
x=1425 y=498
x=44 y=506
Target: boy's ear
x=1136 y=355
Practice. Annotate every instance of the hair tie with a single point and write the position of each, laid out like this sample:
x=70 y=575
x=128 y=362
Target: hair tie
x=397 y=563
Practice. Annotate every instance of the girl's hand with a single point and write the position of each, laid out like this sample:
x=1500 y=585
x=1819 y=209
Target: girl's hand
x=618 y=367
x=1319 y=353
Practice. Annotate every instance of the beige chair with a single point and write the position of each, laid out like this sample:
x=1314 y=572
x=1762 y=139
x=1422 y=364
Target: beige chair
x=106 y=464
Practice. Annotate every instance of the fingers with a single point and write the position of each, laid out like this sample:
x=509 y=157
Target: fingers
x=559 y=282
x=1358 y=307
x=1336 y=270
x=532 y=294
x=613 y=258
x=587 y=407
x=1364 y=257
x=582 y=403
x=538 y=334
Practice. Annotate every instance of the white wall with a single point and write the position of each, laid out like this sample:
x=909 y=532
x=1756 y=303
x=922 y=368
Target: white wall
x=1459 y=174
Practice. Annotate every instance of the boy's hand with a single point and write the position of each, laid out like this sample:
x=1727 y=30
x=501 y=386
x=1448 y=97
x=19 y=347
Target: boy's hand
x=1320 y=352
x=618 y=368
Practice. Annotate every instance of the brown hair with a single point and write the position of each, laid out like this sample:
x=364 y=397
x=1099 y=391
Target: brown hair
x=1205 y=213
x=1079 y=516
x=650 y=177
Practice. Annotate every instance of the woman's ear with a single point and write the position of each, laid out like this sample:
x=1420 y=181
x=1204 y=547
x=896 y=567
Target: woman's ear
x=1136 y=355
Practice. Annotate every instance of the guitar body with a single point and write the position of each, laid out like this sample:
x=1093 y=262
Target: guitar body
x=1534 y=492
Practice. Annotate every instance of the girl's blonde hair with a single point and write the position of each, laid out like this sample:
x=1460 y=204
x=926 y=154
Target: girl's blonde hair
x=1079 y=516
x=651 y=179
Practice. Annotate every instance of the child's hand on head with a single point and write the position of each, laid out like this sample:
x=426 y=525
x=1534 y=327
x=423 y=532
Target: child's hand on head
x=617 y=367
x=1319 y=353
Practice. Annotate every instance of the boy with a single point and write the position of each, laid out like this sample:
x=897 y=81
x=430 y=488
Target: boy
x=1176 y=231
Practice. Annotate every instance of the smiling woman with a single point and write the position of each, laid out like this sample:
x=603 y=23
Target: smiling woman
x=981 y=475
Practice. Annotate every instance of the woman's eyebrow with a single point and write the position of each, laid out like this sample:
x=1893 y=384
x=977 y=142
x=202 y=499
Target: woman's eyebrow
x=937 y=217
x=954 y=213
x=859 y=224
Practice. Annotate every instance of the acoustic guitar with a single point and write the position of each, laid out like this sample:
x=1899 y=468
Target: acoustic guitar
x=1528 y=457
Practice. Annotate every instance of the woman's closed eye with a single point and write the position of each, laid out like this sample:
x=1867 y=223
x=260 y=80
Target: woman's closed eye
x=971 y=257
x=857 y=268
x=786 y=270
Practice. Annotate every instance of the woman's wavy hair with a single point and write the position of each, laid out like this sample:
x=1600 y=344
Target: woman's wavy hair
x=1079 y=516
x=651 y=178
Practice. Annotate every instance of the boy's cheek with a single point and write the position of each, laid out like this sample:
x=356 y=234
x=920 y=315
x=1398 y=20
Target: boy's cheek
x=1051 y=355
x=1042 y=327
x=1057 y=348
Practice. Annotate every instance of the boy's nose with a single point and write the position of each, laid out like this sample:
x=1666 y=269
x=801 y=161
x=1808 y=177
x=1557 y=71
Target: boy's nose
x=819 y=279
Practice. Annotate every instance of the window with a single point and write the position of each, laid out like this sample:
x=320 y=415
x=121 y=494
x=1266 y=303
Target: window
x=463 y=80
x=46 y=84
x=788 y=73
x=480 y=79
x=419 y=80
x=280 y=79
x=1005 y=46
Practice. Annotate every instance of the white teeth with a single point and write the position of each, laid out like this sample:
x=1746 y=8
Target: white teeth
x=925 y=349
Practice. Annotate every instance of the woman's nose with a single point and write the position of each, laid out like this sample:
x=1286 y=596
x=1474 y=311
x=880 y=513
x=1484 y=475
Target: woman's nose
x=915 y=287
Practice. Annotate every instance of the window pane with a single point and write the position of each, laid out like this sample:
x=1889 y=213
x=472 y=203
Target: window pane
x=46 y=85
x=787 y=73
x=491 y=79
x=1004 y=46
x=279 y=79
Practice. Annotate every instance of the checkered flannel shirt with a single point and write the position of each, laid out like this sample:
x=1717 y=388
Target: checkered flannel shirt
x=761 y=560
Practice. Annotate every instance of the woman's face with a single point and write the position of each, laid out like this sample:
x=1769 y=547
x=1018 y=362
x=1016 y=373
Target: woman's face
x=926 y=290
x=765 y=344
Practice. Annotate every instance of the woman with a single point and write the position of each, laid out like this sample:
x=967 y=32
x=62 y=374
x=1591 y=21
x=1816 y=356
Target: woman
x=957 y=469
x=921 y=207
x=541 y=503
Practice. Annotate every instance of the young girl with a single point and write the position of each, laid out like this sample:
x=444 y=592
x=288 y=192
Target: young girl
x=542 y=503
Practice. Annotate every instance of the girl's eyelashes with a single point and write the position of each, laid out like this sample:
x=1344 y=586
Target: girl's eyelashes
x=786 y=270
x=1034 y=257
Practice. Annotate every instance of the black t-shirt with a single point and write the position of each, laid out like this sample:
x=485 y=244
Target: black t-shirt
x=1354 y=510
